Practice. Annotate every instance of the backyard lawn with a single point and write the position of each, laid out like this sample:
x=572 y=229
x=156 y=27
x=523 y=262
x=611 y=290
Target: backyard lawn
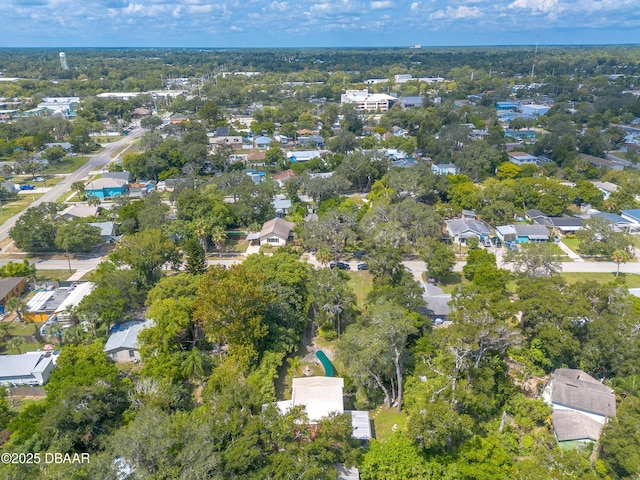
x=361 y=282
x=632 y=280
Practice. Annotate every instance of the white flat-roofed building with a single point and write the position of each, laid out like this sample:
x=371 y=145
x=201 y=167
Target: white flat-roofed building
x=369 y=102
x=322 y=396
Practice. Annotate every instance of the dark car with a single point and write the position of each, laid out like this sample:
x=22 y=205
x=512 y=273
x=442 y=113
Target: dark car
x=431 y=280
x=27 y=187
x=344 y=266
x=363 y=266
x=359 y=254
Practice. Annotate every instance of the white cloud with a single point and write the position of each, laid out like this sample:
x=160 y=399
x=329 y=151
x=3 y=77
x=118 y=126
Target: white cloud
x=379 y=5
x=460 y=13
x=415 y=6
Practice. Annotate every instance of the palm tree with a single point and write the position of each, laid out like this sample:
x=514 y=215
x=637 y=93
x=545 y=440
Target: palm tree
x=294 y=366
x=193 y=365
x=15 y=343
x=218 y=237
x=53 y=330
x=324 y=256
x=17 y=305
x=620 y=256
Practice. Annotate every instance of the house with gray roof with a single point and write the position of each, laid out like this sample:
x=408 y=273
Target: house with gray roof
x=461 y=229
x=31 y=368
x=581 y=407
x=126 y=176
x=122 y=345
x=523 y=233
x=275 y=232
x=108 y=231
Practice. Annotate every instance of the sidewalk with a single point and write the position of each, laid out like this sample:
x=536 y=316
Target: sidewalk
x=572 y=255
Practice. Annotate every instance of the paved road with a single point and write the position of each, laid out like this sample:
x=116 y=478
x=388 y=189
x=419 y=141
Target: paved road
x=55 y=192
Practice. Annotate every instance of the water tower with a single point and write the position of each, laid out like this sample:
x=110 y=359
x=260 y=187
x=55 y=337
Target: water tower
x=63 y=61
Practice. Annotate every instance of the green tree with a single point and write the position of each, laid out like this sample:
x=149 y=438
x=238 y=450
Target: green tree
x=230 y=307
x=620 y=256
x=35 y=230
x=17 y=305
x=18 y=269
x=439 y=257
x=619 y=441
x=195 y=257
x=77 y=236
x=534 y=259
x=146 y=253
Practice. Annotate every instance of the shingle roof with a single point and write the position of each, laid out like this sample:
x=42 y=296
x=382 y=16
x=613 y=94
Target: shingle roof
x=570 y=425
x=278 y=227
x=105 y=183
x=534 y=232
x=8 y=284
x=578 y=390
x=460 y=225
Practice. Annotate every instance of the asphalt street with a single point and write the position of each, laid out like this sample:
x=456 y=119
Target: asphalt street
x=95 y=162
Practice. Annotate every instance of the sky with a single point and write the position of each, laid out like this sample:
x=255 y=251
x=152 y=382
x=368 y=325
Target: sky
x=316 y=23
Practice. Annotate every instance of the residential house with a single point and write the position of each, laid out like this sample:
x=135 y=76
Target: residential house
x=126 y=176
x=30 y=368
x=620 y=223
x=256 y=157
x=399 y=131
x=177 y=119
x=581 y=407
x=108 y=231
x=522 y=158
x=602 y=162
x=275 y=232
x=64 y=107
x=562 y=225
x=262 y=142
x=80 y=211
x=11 y=287
x=460 y=230
x=607 y=188
x=303 y=155
x=632 y=215
x=281 y=206
x=369 y=102
x=105 y=188
x=234 y=141
x=322 y=396
x=533 y=109
x=312 y=140
x=46 y=303
x=65 y=145
x=522 y=233
x=140 y=112
x=533 y=214
x=411 y=102
x=445 y=169
x=138 y=189
x=122 y=345
x=282 y=177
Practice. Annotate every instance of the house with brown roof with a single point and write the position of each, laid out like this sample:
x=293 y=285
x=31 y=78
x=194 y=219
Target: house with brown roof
x=275 y=232
x=581 y=407
x=9 y=288
x=282 y=177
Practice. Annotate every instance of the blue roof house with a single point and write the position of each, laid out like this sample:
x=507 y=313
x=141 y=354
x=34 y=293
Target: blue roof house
x=106 y=188
x=262 y=142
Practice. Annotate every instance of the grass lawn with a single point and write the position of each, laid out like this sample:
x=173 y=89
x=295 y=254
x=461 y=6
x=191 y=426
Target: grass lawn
x=449 y=282
x=361 y=282
x=572 y=243
x=67 y=165
x=384 y=420
x=17 y=205
x=632 y=280
x=53 y=275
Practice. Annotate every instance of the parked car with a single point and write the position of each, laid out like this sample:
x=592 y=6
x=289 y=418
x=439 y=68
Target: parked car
x=344 y=266
x=487 y=242
x=27 y=187
x=359 y=254
x=363 y=266
x=431 y=281
x=497 y=242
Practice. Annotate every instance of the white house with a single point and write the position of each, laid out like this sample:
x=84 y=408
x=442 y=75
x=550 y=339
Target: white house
x=522 y=158
x=445 y=169
x=461 y=229
x=322 y=396
x=31 y=368
x=275 y=232
x=122 y=345
x=533 y=109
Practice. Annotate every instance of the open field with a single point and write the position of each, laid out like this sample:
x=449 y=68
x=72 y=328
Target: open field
x=17 y=205
x=67 y=165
